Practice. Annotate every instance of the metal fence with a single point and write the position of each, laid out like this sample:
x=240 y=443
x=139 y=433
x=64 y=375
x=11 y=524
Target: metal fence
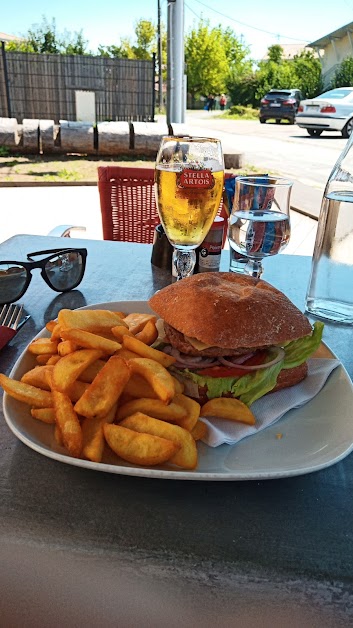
x=45 y=86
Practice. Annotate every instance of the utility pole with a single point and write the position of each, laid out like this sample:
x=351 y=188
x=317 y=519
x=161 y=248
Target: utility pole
x=175 y=64
x=160 y=76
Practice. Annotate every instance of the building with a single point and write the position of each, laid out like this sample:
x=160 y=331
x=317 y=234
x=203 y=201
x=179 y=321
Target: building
x=332 y=49
x=289 y=51
x=6 y=38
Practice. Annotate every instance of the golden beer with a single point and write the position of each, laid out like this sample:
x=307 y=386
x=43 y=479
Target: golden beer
x=188 y=202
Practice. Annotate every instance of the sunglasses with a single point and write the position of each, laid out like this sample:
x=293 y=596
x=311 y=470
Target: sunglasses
x=62 y=271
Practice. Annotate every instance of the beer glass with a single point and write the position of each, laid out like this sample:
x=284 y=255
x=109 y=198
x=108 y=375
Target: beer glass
x=189 y=179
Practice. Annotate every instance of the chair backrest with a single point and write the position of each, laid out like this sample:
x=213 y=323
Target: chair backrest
x=128 y=205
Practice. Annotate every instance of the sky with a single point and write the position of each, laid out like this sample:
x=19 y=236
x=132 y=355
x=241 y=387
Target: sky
x=258 y=23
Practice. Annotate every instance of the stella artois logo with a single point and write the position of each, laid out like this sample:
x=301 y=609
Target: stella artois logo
x=195 y=179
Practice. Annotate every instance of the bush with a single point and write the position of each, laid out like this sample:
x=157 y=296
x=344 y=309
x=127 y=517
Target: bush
x=245 y=113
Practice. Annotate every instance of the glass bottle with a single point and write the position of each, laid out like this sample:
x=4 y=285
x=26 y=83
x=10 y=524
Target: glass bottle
x=330 y=290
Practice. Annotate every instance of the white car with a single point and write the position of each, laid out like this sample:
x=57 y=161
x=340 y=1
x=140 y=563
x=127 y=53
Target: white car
x=331 y=111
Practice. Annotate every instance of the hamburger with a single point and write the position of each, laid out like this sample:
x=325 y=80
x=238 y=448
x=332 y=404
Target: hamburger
x=233 y=335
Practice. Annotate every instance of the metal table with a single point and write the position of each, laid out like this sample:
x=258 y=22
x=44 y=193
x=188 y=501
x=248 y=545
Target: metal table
x=79 y=547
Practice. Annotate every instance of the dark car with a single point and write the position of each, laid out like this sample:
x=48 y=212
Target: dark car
x=280 y=104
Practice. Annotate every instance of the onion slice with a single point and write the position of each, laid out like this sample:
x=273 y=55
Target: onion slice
x=278 y=357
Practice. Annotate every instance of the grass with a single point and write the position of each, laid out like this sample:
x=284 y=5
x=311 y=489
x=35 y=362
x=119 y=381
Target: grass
x=61 y=168
x=238 y=112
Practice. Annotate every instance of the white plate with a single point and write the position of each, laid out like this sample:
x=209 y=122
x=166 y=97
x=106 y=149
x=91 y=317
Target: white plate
x=314 y=437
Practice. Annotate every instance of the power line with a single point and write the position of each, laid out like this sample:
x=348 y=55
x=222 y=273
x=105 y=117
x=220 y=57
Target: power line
x=261 y=30
x=191 y=10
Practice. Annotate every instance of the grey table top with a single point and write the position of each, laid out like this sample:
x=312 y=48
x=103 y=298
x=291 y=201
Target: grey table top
x=79 y=547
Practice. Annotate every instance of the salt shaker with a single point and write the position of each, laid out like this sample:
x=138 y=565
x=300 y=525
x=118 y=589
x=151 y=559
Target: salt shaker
x=330 y=290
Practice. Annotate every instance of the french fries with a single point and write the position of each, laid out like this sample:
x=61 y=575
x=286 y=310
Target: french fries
x=156 y=375
x=186 y=457
x=26 y=392
x=99 y=383
x=172 y=413
x=143 y=449
x=70 y=367
x=228 y=408
x=105 y=389
x=67 y=423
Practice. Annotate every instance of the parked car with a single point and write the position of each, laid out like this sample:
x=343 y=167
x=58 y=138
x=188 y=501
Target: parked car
x=331 y=111
x=280 y=104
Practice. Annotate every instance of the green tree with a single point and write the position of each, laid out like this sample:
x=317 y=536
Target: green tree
x=143 y=46
x=309 y=74
x=206 y=61
x=343 y=76
x=43 y=38
x=275 y=53
x=213 y=56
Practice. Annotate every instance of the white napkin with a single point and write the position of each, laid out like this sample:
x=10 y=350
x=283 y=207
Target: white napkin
x=271 y=407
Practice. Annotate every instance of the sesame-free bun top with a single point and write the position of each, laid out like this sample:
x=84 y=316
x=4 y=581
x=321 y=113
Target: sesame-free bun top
x=230 y=310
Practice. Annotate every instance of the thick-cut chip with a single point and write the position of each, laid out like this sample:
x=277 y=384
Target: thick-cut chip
x=172 y=413
x=52 y=360
x=133 y=344
x=138 y=387
x=192 y=409
x=90 y=320
x=50 y=325
x=66 y=346
x=228 y=408
x=38 y=377
x=57 y=435
x=91 y=371
x=44 y=358
x=199 y=431
x=186 y=457
x=46 y=415
x=149 y=333
x=68 y=423
x=43 y=345
x=105 y=389
x=76 y=390
x=25 y=392
x=93 y=435
x=70 y=367
x=91 y=341
x=156 y=375
x=141 y=449
x=125 y=354
x=56 y=332
x=120 y=331
x=136 y=322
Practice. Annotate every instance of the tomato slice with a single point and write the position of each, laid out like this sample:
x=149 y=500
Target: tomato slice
x=230 y=371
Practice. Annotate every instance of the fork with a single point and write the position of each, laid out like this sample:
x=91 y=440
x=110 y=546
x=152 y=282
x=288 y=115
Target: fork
x=10 y=317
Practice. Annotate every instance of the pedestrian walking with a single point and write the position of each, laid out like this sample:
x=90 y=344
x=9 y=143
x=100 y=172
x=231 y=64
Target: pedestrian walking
x=222 y=102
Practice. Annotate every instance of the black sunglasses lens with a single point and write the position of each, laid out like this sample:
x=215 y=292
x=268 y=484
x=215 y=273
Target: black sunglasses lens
x=13 y=279
x=65 y=270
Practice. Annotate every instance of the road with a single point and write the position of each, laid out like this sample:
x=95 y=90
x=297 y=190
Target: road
x=282 y=148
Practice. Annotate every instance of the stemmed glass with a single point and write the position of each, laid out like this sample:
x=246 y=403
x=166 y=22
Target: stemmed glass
x=259 y=224
x=189 y=181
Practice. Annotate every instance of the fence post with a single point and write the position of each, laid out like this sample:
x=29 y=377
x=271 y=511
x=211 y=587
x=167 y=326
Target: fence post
x=6 y=77
x=154 y=86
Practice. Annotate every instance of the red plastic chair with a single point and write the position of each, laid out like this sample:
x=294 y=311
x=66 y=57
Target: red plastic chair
x=128 y=206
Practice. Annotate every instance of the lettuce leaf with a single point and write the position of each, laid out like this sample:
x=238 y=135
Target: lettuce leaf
x=247 y=388
x=298 y=351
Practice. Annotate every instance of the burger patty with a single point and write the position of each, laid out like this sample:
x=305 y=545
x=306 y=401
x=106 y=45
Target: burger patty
x=177 y=340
